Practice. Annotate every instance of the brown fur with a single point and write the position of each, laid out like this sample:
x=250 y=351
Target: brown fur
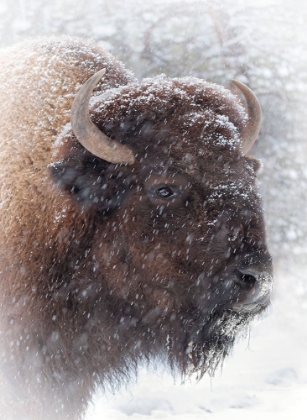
x=97 y=273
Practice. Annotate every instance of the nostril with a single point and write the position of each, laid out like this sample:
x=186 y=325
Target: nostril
x=246 y=280
x=255 y=285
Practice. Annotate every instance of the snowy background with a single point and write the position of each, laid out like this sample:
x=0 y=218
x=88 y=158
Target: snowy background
x=262 y=43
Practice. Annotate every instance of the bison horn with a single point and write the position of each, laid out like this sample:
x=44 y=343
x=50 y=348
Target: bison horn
x=251 y=131
x=94 y=140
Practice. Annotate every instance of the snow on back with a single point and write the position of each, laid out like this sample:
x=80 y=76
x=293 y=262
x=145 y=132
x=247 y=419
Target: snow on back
x=39 y=81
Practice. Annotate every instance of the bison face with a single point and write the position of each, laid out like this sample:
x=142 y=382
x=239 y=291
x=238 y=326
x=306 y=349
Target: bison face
x=176 y=259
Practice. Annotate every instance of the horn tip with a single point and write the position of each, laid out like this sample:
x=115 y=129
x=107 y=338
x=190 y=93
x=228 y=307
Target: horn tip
x=237 y=83
x=130 y=158
x=102 y=72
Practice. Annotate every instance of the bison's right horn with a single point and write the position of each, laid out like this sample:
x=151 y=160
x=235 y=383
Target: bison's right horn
x=251 y=131
x=94 y=140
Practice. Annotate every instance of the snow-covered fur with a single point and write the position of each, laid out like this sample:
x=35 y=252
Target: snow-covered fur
x=99 y=270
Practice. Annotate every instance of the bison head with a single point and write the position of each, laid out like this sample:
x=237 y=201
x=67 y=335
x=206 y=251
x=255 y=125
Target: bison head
x=177 y=261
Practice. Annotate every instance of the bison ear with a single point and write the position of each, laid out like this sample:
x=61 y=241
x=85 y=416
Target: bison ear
x=91 y=182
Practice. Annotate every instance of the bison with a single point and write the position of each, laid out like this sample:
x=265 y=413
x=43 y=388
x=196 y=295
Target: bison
x=132 y=232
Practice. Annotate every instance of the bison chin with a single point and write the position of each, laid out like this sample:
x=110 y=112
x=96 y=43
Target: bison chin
x=193 y=343
x=210 y=341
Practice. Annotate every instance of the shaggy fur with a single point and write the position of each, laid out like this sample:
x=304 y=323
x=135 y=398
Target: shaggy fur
x=98 y=272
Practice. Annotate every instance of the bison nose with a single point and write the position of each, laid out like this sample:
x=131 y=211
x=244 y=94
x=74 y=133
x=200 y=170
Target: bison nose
x=256 y=285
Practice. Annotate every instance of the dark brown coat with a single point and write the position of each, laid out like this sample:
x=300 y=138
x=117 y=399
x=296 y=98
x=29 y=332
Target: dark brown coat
x=100 y=269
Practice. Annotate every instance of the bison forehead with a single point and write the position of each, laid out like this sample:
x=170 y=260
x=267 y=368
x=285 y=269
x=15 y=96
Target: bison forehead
x=235 y=195
x=188 y=105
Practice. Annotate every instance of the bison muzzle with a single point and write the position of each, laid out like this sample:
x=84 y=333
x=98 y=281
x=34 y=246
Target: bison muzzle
x=131 y=225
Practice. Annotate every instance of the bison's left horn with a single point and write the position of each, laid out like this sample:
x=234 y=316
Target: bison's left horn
x=94 y=140
x=251 y=131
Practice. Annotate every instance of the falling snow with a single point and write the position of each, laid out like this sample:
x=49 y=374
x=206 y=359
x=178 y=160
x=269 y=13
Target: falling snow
x=263 y=45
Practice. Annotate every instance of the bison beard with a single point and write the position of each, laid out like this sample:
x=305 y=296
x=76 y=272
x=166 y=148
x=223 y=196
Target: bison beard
x=139 y=237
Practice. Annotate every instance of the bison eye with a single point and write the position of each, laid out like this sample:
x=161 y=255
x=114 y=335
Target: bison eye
x=164 y=192
x=167 y=191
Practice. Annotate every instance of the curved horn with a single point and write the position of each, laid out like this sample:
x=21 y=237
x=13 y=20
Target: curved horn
x=88 y=134
x=251 y=131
